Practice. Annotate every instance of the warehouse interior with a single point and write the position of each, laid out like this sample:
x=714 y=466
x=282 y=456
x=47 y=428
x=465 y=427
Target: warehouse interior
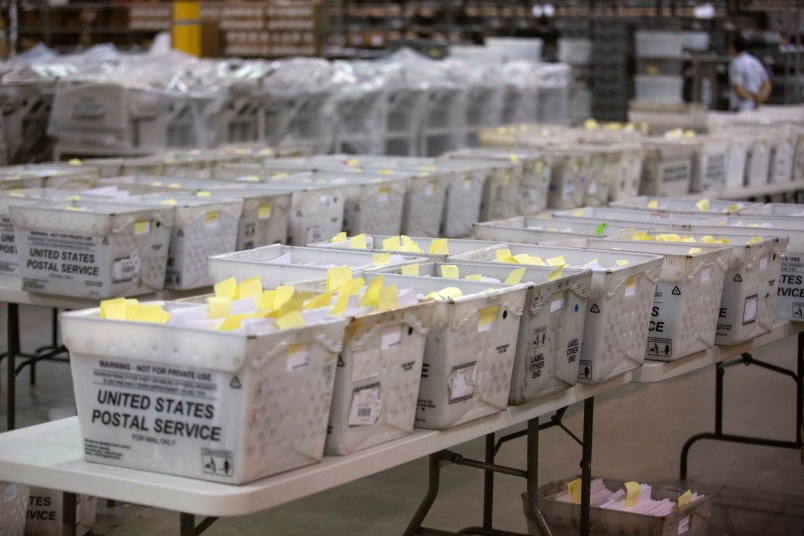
x=426 y=267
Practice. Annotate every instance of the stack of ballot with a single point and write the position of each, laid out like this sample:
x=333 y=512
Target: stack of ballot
x=634 y=498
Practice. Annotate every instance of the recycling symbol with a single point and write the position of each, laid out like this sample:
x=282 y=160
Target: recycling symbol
x=235 y=383
x=738 y=279
x=676 y=291
x=595 y=308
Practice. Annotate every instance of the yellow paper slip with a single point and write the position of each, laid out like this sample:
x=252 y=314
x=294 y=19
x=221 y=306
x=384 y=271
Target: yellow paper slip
x=226 y=288
x=388 y=298
x=574 y=490
x=250 y=287
x=684 y=499
x=340 y=237
x=338 y=276
x=358 y=241
x=487 y=317
x=382 y=259
x=439 y=247
x=653 y=204
x=115 y=308
x=515 y=276
x=703 y=205
x=503 y=255
x=293 y=319
x=283 y=295
x=632 y=490
x=392 y=243
x=320 y=301
x=474 y=277
x=371 y=297
x=450 y=271
x=218 y=307
x=264 y=211
x=557 y=261
x=146 y=313
x=410 y=269
x=555 y=274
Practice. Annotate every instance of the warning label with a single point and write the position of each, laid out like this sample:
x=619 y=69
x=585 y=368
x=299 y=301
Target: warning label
x=8 y=247
x=798 y=311
x=585 y=370
x=658 y=347
x=217 y=462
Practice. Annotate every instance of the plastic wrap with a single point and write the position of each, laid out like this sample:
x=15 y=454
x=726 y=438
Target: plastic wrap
x=360 y=103
x=485 y=94
x=521 y=103
x=553 y=81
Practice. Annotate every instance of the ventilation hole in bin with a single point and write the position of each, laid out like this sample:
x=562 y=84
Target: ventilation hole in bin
x=505 y=315
x=410 y=330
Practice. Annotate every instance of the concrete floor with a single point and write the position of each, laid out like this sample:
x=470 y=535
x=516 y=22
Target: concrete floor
x=639 y=431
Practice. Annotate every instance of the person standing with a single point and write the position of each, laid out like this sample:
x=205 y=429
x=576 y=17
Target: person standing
x=750 y=85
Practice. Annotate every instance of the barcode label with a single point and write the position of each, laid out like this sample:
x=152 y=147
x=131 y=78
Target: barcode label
x=366 y=405
x=126 y=269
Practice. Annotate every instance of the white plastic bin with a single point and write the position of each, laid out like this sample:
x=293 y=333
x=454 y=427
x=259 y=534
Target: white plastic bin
x=710 y=163
x=203 y=404
x=667 y=167
x=687 y=205
x=377 y=379
x=738 y=156
x=790 y=294
x=46 y=513
x=548 y=231
x=92 y=250
x=783 y=154
x=567 y=178
x=13 y=508
x=750 y=286
x=619 y=310
x=686 y=303
x=279 y=265
x=455 y=246
x=757 y=163
x=470 y=351
x=551 y=330
x=203 y=226
x=536 y=167
x=689 y=520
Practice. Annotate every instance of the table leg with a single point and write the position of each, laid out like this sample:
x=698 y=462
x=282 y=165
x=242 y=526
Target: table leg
x=69 y=516
x=586 y=465
x=488 y=486
x=13 y=350
x=187 y=526
x=532 y=455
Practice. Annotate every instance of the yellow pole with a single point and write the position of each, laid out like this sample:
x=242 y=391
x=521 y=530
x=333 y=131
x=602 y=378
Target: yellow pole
x=187 y=26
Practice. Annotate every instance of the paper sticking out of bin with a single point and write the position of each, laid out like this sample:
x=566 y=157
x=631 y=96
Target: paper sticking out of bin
x=13 y=507
x=790 y=296
x=751 y=281
x=92 y=250
x=265 y=214
x=536 y=167
x=279 y=265
x=551 y=329
x=624 y=508
x=203 y=226
x=419 y=246
x=686 y=205
x=549 y=231
x=686 y=302
x=157 y=382
x=619 y=305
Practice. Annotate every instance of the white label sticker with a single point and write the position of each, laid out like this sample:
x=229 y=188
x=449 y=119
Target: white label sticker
x=684 y=525
x=324 y=200
x=298 y=356
x=763 y=262
x=391 y=337
x=366 y=364
x=706 y=273
x=366 y=406
x=630 y=286
x=555 y=305
x=127 y=268
x=592 y=188
x=429 y=190
x=461 y=382
x=467 y=184
x=9 y=492
x=314 y=235
x=750 y=309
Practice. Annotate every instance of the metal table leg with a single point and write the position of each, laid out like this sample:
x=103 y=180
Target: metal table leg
x=187 y=526
x=586 y=465
x=13 y=350
x=69 y=516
